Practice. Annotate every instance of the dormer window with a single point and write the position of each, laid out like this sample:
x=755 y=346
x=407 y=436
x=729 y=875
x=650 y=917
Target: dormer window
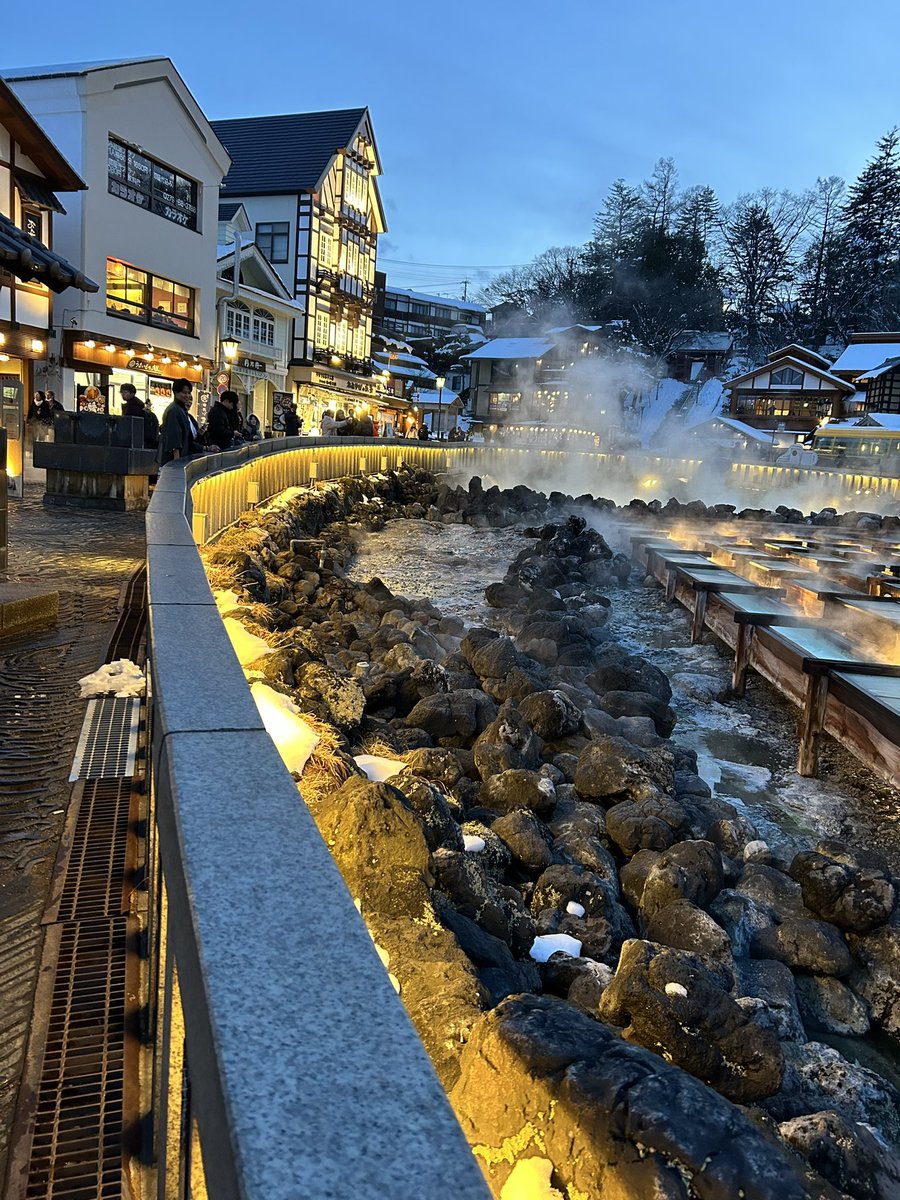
x=786 y=377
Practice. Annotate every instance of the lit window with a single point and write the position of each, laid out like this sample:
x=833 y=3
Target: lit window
x=237 y=320
x=263 y=327
x=137 y=295
x=321 y=330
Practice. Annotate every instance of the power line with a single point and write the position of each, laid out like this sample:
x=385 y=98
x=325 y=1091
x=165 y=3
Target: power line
x=399 y=262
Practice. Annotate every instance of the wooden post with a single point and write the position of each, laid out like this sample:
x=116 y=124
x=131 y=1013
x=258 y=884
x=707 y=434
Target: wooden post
x=701 y=595
x=811 y=724
x=741 y=658
x=670 y=583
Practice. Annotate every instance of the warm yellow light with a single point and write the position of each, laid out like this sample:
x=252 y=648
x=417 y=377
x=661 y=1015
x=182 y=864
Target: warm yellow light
x=147 y=357
x=182 y=363
x=335 y=361
x=110 y=348
x=4 y=358
x=129 y=350
x=230 y=347
x=165 y=358
x=197 y=367
x=439 y=382
x=90 y=344
x=37 y=345
x=2 y=339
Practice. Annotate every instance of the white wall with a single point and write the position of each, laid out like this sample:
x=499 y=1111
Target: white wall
x=135 y=104
x=261 y=209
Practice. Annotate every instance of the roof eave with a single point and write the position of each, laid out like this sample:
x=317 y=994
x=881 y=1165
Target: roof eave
x=26 y=131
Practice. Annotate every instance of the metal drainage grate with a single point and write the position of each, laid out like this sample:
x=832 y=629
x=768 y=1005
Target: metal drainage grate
x=127 y=640
x=108 y=744
x=97 y=863
x=76 y=1148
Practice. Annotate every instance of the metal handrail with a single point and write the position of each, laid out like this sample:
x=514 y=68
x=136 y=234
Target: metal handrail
x=285 y=1062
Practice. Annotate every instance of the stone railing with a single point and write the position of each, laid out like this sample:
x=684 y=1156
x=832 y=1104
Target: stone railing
x=285 y=1064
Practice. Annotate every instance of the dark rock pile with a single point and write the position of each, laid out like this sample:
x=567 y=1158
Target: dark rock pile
x=696 y=510
x=680 y=1047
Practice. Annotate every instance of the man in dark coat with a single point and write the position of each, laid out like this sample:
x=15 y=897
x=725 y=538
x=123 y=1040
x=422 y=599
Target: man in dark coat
x=220 y=423
x=291 y=422
x=133 y=406
x=175 y=431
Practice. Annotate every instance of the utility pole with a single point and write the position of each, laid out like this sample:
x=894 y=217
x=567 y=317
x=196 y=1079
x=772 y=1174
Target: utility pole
x=465 y=289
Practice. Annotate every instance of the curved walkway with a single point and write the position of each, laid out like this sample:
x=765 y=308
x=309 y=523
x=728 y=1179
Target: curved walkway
x=87 y=557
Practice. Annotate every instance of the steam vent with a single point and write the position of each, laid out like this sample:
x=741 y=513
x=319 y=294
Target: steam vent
x=614 y=789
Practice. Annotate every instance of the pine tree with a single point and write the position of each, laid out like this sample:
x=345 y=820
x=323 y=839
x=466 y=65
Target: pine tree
x=872 y=230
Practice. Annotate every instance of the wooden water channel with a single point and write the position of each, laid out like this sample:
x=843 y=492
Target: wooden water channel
x=814 y=611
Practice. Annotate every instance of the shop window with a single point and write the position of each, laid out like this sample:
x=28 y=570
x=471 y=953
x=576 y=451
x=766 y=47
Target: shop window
x=137 y=295
x=263 y=327
x=272 y=239
x=142 y=180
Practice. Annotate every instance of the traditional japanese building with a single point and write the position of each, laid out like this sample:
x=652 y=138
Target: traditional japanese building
x=146 y=225
x=794 y=390
x=696 y=356
x=32 y=170
x=308 y=182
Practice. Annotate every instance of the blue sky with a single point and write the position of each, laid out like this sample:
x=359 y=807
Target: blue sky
x=501 y=123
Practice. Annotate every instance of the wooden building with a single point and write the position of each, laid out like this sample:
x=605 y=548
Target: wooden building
x=794 y=389
x=697 y=355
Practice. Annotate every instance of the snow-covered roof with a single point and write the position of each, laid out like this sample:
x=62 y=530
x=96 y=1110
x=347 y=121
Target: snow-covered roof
x=799 y=364
x=755 y=435
x=425 y=397
x=499 y=348
x=430 y=298
x=76 y=68
x=882 y=370
x=569 y=328
x=864 y=356
x=795 y=350
x=884 y=420
x=702 y=342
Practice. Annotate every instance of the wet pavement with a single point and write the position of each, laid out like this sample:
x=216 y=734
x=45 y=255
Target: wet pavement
x=87 y=556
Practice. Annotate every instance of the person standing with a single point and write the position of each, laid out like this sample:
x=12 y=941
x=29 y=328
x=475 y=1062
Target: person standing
x=291 y=422
x=423 y=433
x=55 y=405
x=134 y=406
x=175 y=434
x=220 y=423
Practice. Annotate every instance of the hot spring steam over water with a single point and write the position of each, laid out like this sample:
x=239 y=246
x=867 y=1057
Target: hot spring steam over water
x=746 y=747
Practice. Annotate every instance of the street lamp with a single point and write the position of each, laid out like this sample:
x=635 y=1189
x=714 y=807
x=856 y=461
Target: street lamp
x=440 y=381
x=230 y=347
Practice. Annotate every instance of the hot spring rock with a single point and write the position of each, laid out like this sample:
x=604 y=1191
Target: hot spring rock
x=845 y=1153
x=683 y=926
x=498 y=910
x=507 y=743
x=634 y=1126
x=551 y=714
x=854 y=891
x=527 y=837
x=377 y=842
x=519 y=789
x=337 y=698
x=649 y=824
x=611 y=768
x=500 y=974
x=805 y=945
x=687 y=871
x=453 y=714
x=876 y=978
x=668 y=1000
x=579 y=833
x=830 y=1006
x=430 y=806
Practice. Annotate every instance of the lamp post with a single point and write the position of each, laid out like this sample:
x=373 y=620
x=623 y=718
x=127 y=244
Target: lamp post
x=229 y=346
x=440 y=381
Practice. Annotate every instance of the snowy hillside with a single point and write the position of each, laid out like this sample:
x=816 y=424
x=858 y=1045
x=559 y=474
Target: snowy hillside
x=671 y=407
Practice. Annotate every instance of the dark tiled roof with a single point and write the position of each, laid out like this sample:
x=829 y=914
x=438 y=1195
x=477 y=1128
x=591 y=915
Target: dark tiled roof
x=227 y=210
x=278 y=155
x=28 y=258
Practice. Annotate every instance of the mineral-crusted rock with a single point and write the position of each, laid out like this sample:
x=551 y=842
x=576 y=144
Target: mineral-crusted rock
x=855 y=894
x=668 y=1000
x=634 y=1127
x=847 y=1154
x=527 y=837
x=829 y=1006
x=688 y=870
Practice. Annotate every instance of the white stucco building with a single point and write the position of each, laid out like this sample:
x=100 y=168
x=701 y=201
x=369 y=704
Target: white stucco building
x=146 y=228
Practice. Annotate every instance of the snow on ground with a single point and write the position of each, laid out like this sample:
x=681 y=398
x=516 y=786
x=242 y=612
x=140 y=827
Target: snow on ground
x=119 y=678
x=675 y=407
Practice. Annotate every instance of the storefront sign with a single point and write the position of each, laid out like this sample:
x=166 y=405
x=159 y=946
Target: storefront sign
x=344 y=385
x=252 y=364
x=138 y=364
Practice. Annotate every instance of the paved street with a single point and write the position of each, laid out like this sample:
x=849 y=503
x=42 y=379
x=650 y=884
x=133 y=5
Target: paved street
x=86 y=556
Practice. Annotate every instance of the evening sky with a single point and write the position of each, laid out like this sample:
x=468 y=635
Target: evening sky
x=501 y=123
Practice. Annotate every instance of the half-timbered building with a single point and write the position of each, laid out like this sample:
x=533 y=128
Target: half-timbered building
x=308 y=182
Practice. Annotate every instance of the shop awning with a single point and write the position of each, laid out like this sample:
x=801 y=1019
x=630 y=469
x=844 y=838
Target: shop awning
x=35 y=189
x=28 y=258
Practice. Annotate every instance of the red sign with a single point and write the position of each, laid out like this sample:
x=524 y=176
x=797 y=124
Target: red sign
x=223 y=378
